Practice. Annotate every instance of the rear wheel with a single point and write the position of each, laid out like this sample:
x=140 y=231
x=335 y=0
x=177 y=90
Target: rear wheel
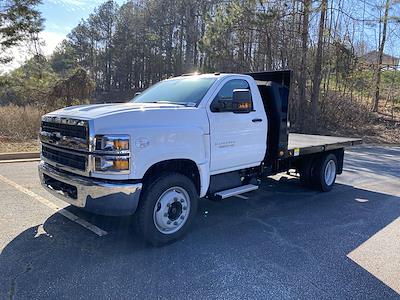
x=167 y=208
x=305 y=172
x=324 y=172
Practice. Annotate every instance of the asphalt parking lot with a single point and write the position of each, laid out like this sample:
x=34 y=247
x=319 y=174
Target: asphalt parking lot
x=282 y=241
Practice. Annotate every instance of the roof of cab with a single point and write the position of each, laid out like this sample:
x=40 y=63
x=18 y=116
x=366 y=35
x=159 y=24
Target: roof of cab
x=207 y=75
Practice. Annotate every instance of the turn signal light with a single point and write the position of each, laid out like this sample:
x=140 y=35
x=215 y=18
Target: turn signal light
x=121 y=164
x=116 y=164
x=121 y=144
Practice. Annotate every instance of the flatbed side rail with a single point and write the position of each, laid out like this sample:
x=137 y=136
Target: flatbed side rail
x=300 y=151
x=305 y=144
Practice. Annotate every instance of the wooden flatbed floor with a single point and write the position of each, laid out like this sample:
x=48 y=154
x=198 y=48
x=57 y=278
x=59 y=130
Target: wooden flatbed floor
x=308 y=144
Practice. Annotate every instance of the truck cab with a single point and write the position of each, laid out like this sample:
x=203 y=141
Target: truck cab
x=184 y=138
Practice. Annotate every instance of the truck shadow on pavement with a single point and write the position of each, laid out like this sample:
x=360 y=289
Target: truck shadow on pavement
x=282 y=242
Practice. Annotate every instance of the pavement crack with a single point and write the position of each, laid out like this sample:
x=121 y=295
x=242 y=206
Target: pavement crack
x=13 y=285
x=265 y=224
x=11 y=292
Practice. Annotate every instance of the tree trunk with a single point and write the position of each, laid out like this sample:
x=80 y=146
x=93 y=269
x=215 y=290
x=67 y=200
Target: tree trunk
x=380 y=57
x=304 y=49
x=318 y=63
x=190 y=39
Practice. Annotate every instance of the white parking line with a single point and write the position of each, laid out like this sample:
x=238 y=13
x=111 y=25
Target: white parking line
x=61 y=211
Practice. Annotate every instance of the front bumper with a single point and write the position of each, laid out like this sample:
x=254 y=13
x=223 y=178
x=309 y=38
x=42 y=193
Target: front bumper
x=105 y=197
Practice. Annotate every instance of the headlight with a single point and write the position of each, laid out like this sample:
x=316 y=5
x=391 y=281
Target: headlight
x=112 y=143
x=115 y=149
x=111 y=164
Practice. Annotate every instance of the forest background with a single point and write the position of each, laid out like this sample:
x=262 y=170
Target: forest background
x=344 y=81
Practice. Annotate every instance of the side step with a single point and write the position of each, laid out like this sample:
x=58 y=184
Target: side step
x=236 y=191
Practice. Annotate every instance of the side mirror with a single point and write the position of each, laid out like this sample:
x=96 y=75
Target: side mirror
x=241 y=101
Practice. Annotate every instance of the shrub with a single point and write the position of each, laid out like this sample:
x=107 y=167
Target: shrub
x=339 y=111
x=20 y=122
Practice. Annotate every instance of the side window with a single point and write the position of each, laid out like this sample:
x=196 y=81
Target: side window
x=226 y=92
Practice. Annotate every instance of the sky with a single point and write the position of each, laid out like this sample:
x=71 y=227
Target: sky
x=61 y=16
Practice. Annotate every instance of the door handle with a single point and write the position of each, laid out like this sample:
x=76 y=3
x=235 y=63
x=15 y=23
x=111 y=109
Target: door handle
x=256 y=120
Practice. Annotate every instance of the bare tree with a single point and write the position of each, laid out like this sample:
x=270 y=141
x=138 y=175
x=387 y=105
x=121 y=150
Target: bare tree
x=318 y=62
x=380 y=57
x=304 y=49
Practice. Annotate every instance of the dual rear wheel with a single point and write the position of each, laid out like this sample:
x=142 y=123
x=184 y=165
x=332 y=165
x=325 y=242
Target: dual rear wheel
x=320 y=173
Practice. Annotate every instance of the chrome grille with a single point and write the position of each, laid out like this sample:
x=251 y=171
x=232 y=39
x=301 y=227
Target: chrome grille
x=65 y=129
x=71 y=160
x=65 y=132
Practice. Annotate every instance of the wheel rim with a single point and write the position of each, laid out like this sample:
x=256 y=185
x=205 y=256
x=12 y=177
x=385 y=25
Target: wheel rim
x=171 y=210
x=330 y=172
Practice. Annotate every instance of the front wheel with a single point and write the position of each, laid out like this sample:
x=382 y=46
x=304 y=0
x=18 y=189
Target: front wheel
x=167 y=208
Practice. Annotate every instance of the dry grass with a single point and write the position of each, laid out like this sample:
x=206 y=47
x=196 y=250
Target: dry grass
x=19 y=128
x=339 y=115
x=339 y=111
x=20 y=123
x=7 y=145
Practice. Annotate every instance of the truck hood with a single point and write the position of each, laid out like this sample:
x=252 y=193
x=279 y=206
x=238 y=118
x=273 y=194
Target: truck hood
x=94 y=111
x=127 y=117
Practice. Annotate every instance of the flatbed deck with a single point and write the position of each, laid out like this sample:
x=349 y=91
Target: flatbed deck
x=303 y=144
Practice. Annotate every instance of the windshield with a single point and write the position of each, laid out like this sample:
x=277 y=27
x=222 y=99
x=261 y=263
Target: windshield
x=185 y=91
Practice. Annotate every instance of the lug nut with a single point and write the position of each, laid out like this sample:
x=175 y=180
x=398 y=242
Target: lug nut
x=182 y=200
x=182 y=217
x=184 y=208
x=168 y=222
x=175 y=199
x=165 y=215
x=175 y=223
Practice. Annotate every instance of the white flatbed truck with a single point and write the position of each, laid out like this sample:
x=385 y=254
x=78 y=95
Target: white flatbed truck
x=185 y=138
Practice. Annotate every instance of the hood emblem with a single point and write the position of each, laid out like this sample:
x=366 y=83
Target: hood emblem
x=54 y=137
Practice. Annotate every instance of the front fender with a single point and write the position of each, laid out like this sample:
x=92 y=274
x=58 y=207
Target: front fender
x=153 y=146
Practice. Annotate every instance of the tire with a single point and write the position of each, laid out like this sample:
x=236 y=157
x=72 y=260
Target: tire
x=176 y=198
x=305 y=171
x=324 y=172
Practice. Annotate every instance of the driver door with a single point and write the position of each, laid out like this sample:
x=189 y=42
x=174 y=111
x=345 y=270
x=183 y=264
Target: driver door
x=238 y=140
